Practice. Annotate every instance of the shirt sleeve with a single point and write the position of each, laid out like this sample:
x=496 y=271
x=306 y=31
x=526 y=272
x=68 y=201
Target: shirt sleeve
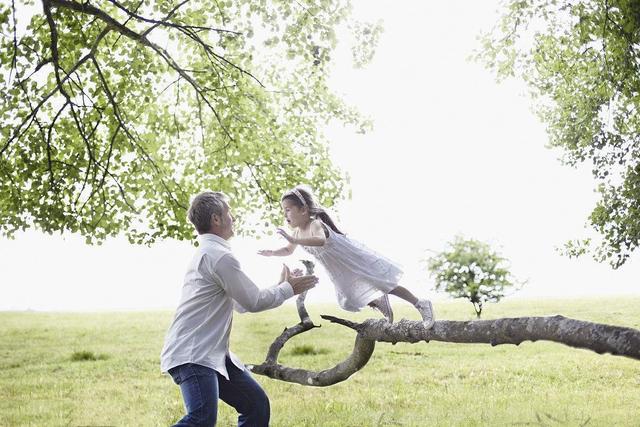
x=245 y=294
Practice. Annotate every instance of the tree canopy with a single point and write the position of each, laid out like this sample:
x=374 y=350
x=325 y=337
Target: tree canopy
x=581 y=62
x=115 y=112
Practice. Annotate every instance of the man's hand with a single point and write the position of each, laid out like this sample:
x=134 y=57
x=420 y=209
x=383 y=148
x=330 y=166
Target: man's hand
x=298 y=283
x=302 y=283
x=265 y=252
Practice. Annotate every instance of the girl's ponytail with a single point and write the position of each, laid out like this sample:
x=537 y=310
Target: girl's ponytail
x=323 y=216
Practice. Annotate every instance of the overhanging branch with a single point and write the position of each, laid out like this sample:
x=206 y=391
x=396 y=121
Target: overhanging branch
x=112 y=23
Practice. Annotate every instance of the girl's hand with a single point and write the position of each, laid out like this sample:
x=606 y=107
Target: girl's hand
x=283 y=233
x=265 y=252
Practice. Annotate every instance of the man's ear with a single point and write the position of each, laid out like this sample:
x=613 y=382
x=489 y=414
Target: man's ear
x=215 y=219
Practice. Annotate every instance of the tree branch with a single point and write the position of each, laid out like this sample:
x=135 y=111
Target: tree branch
x=597 y=337
x=102 y=15
x=601 y=338
x=165 y=21
x=259 y=184
x=46 y=5
x=362 y=351
x=15 y=40
x=49 y=132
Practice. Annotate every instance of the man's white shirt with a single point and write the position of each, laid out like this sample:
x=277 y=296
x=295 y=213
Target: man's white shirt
x=213 y=286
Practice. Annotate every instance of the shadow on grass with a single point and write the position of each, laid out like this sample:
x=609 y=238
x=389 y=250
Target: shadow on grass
x=307 y=350
x=84 y=356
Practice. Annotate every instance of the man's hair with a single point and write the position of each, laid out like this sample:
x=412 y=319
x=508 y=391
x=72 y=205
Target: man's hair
x=204 y=206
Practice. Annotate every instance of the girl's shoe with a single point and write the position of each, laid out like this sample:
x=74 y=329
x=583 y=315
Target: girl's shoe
x=382 y=304
x=426 y=311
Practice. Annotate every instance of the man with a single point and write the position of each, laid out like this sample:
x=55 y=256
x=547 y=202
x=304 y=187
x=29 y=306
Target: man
x=196 y=350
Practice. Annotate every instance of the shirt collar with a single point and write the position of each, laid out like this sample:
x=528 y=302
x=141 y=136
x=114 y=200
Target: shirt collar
x=213 y=238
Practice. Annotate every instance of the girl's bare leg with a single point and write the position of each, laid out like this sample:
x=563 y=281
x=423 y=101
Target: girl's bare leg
x=405 y=294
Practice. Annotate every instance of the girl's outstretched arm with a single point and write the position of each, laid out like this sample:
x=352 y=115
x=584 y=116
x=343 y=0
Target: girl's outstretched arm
x=317 y=237
x=287 y=250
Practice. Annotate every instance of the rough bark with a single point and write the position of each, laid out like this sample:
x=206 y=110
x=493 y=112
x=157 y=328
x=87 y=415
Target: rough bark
x=598 y=337
x=362 y=351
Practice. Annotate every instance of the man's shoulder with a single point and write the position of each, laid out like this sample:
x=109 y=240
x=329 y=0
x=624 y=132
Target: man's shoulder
x=217 y=250
x=214 y=252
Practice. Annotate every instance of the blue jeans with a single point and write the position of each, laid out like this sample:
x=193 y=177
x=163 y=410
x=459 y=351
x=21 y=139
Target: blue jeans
x=201 y=387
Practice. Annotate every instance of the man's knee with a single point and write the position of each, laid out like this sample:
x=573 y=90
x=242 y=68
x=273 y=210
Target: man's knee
x=262 y=406
x=258 y=412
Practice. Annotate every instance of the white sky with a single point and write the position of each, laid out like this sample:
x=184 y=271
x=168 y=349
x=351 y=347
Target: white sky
x=451 y=152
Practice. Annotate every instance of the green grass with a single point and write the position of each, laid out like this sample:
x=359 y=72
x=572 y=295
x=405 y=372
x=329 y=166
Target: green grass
x=118 y=382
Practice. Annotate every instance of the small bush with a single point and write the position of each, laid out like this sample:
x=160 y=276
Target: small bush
x=470 y=269
x=81 y=356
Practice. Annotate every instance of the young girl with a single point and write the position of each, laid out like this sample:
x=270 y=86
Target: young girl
x=360 y=275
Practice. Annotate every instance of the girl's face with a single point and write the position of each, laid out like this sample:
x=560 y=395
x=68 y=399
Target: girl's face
x=294 y=214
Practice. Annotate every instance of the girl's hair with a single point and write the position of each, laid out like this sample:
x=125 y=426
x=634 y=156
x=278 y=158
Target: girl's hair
x=302 y=197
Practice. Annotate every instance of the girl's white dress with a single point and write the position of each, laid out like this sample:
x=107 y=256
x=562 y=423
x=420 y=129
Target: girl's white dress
x=358 y=273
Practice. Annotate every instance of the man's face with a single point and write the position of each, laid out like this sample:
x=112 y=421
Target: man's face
x=222 y=225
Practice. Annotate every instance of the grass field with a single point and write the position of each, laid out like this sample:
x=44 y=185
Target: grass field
x=102 y=369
